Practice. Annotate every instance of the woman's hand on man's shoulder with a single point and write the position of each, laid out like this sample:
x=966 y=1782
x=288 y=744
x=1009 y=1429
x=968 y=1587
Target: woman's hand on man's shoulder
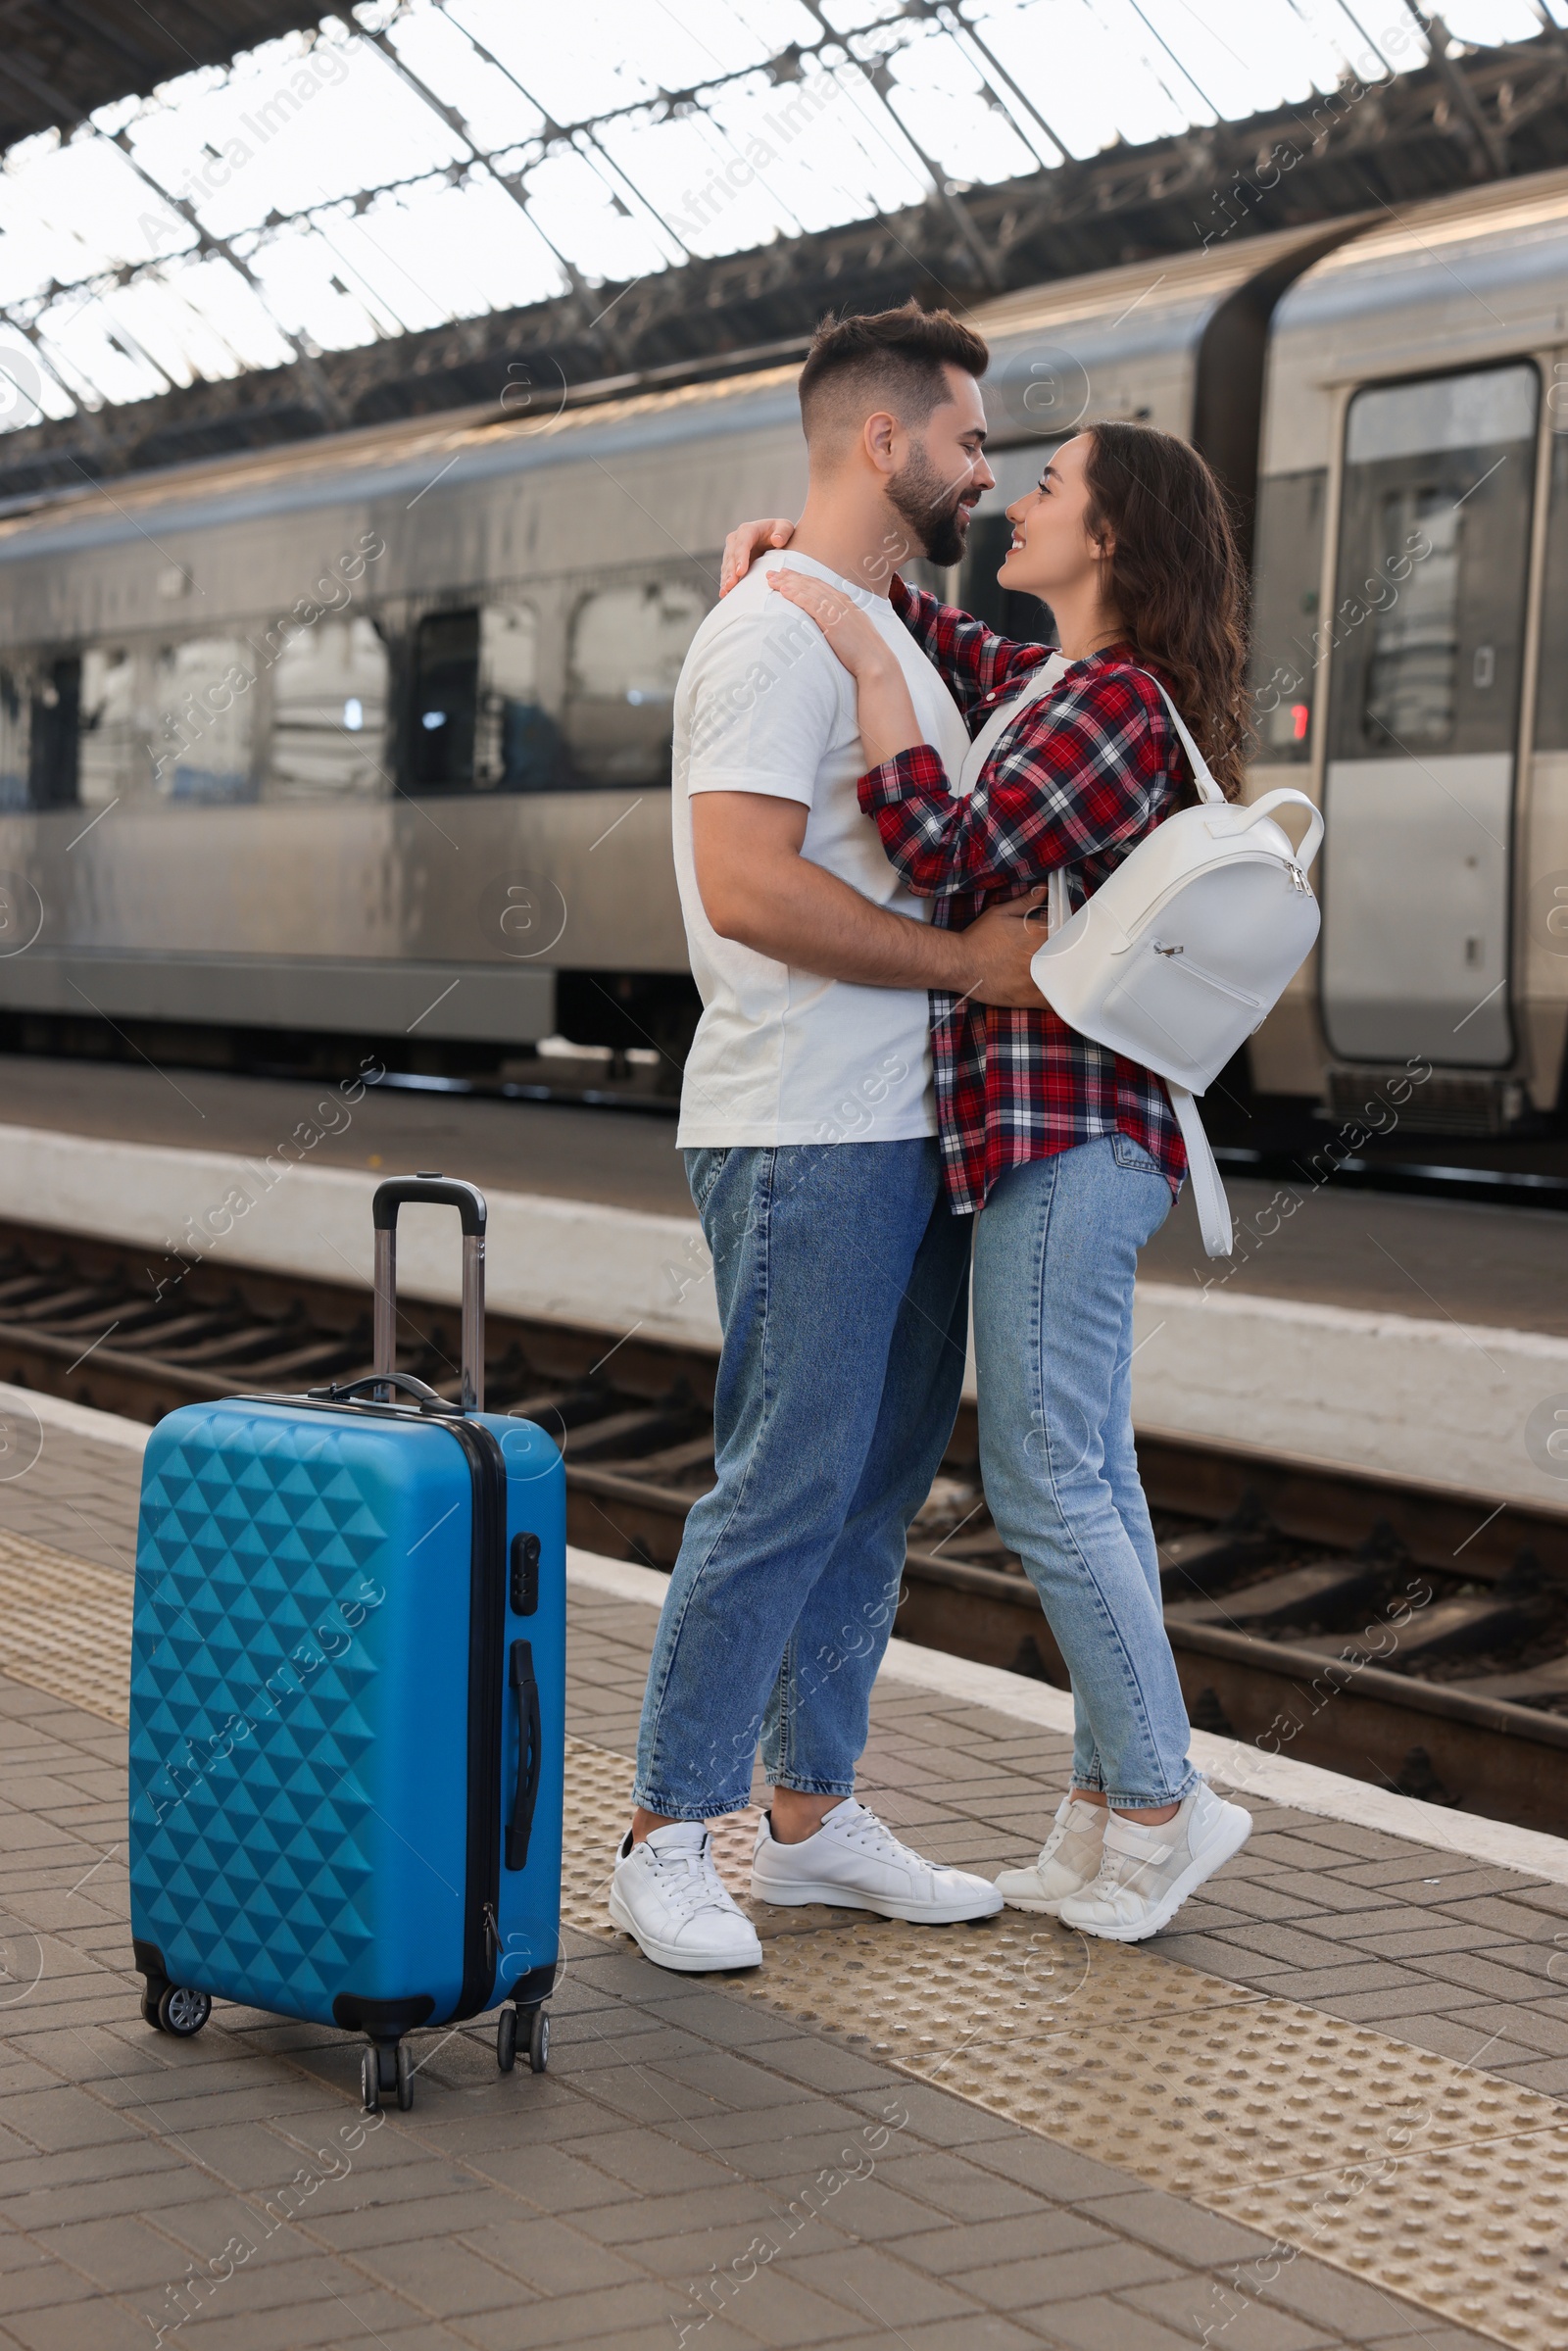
x=745 y=542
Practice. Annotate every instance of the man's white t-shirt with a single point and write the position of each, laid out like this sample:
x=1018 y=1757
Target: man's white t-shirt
x=764 y=706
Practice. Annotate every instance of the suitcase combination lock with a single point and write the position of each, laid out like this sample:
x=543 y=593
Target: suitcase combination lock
x=524 y=1574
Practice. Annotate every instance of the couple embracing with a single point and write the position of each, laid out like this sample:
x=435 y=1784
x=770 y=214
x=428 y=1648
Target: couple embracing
x=871 y=790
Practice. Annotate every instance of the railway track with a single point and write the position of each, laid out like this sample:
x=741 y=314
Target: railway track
x=1395 y=1632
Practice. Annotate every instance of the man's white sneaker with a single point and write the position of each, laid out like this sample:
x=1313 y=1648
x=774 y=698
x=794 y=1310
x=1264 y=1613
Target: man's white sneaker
x=1069 y=1860
x=1145 y=1873
x=856 y=1862
x=667 y=1895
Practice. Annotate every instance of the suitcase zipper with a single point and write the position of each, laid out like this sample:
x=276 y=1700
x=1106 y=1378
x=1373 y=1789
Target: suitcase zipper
x=486 y=1645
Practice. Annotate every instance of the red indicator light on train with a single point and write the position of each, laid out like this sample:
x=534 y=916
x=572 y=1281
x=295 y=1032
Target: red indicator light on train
x=1301 y=714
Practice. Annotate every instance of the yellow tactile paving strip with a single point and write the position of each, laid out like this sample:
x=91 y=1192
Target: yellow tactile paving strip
x=1445 y=2184
x=64 y=1627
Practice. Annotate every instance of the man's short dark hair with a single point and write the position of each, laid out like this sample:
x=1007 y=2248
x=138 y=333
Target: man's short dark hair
x=892 y=357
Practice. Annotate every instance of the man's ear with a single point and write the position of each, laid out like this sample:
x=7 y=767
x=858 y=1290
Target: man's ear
x=878 y=436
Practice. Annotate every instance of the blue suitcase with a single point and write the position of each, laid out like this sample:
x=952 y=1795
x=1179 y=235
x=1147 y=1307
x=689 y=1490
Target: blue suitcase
x=348 y=1700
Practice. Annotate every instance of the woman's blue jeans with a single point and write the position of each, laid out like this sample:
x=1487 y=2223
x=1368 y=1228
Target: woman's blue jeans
x=1056 y=1249
x=843 y=1292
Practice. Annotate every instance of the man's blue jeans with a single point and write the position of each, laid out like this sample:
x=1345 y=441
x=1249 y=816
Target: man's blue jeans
x=843 y=1292
x=1055 y=1249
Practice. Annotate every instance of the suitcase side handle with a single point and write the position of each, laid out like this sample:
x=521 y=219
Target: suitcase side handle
x=436 y=1191
x=530 y=1754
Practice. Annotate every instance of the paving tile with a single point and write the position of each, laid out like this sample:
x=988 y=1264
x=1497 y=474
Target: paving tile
x=940 y=2119
x=1060 y=2173
x=1312 y=1985
x=897 y=2295
x=114 y=2328
x=956 y=2189
x=47 y=2284
x=1475 y=1973
x=1542 y=2030
x=1548 y=2074
x=981 y=2330
x=1421 y=1942
x=992 y=2244
x=1188 y=2304
x=1183 y=2230
x=1419 y=1996
x=1060 y=2289
x=1459 y=2038
x=1292 y=1946
x=447 y=2279
x=646 y=2160
x=1215 y=1955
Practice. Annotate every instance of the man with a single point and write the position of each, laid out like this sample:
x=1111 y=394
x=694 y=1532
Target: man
x=808 y=1126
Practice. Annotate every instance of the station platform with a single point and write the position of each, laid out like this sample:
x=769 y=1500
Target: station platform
x=1410 y=1338
x=1326 y=2109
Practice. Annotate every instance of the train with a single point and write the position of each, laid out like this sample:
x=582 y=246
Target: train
x=368 y=737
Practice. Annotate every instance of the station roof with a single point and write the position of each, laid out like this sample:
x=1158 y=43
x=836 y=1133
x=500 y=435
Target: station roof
x=226 y=221
x=62 y=60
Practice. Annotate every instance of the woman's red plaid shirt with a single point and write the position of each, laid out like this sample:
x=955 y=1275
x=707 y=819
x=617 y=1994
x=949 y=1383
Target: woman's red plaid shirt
x=1076 y=781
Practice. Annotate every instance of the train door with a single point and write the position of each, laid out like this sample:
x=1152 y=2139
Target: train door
x=1426 y=648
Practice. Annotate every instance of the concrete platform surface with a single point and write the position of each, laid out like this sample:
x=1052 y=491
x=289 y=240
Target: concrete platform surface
x=1354 y=2034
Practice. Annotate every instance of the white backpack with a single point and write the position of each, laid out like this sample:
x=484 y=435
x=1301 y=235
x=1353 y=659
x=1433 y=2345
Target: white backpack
x=1186 y=947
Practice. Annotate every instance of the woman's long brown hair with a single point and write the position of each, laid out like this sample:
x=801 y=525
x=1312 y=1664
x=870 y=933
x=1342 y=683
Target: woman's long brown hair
x=1176 y=578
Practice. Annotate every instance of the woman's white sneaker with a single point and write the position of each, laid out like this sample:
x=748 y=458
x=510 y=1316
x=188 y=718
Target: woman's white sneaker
x=1069 y=1860
x=857 y=1863
x=1146 y=1873
x=666 y=1894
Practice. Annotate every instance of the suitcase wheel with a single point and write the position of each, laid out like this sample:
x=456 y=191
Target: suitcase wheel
x=369 y=2085
x=405 y=2077
x=151 y=1994
x=183 y=2011
x=507 y=2039
x=538 y=2042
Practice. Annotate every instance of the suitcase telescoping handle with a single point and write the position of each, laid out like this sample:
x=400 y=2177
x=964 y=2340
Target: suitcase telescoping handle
x=436 y=1191
x=530 y=1754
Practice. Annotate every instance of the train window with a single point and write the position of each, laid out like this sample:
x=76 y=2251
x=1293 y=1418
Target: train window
x=1286 y=592
x=479 y=724
x=519 y=747
x=203 y=711
x=53 y=745
x=329 y=706
x=627 y=646
x=114 y=753
x=1552 y=693
x=40 y=697
x=16 y=713
x=1428 y=621
x=446 y=692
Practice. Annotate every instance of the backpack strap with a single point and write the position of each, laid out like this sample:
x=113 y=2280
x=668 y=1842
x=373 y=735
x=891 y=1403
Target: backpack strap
x=1207 y=789
x=1208 y=1192
x=1058 y=908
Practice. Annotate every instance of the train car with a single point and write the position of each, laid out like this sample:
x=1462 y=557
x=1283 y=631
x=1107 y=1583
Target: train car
x=1410 y=655
x=368 y=737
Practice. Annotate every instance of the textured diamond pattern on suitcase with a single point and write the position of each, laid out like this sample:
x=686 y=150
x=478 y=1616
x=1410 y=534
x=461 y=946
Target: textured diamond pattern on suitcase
x=249 y=1665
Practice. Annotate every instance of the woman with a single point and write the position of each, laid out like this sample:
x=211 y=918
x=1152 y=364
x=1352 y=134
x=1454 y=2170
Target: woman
x=1068 y=1156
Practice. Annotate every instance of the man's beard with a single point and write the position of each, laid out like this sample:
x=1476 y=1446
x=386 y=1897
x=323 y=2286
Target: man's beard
x=931 y=507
